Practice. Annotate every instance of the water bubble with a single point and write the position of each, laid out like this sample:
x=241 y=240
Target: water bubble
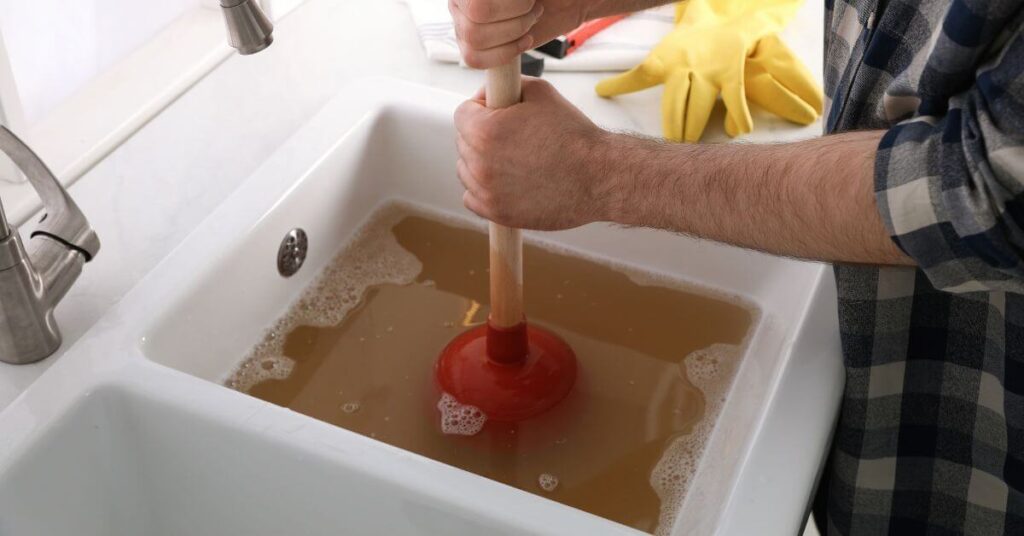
x=350 y=407
x=547 y=482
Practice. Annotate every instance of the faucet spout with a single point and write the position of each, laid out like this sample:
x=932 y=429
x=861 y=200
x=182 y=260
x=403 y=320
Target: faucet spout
x=62 y=220
x=249 y=28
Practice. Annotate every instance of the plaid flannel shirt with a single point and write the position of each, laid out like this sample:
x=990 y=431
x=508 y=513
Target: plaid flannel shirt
x=930 y=438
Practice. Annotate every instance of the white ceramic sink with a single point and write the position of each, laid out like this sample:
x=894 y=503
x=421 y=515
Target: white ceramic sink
x=132 y=433
x=127 y=462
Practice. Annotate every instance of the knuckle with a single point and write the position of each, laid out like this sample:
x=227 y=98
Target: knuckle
x=474 y=35
x=486 y=135
x=486 y=201
x=462 y=114
x=509 y=53
x=460 y=24
x=500 y=213
x=482 y=174
x=483 y=188
x=542 y=86
x=473 y=59
x=480 y=10
x=470 y=203
x=526 y=22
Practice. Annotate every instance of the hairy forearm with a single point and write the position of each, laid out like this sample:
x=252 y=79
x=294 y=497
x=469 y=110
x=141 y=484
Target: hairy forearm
x=604 y=8
x=812 y=200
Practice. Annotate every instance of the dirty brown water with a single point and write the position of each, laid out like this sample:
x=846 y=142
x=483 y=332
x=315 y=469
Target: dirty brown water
x=655 y=357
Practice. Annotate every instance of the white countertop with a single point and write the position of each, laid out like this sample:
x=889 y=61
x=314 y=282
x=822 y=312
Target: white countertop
x=150 y=193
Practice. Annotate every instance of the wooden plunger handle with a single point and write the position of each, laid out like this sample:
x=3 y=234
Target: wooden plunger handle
x=504 y=88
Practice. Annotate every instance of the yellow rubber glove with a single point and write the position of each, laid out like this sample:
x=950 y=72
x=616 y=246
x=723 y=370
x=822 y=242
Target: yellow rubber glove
x=706 y=56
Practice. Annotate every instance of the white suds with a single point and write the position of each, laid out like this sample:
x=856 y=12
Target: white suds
x=458 y=418
x=710 y=370
x=372 y=257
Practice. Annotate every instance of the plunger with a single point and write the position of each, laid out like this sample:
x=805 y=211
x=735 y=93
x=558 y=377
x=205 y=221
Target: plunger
x=509 y=369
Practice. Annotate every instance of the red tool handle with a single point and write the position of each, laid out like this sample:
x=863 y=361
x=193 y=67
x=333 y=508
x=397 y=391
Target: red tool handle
x=589 y=29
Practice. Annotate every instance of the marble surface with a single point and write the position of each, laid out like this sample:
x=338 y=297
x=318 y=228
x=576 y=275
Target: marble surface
x=150 y=193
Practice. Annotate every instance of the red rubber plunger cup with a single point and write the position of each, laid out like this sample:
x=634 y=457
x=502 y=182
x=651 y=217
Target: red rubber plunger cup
x=511 y=374
x=512 y=371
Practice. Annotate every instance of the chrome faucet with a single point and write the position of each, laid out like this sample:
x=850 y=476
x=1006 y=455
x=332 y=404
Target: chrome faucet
x=33 y=282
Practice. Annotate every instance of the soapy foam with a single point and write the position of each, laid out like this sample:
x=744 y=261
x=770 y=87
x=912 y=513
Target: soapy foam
x=458 y=418
x=710 y=370
x=371 y=257
x=547 y=482
x=261 y=368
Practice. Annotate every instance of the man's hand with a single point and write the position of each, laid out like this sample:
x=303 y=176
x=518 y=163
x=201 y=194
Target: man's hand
x=543 y=165
x=493 y=32
x=533 y=164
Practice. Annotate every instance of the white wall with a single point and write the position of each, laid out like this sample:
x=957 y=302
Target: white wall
x=58 y=46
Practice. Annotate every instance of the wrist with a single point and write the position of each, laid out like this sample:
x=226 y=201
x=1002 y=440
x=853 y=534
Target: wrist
x=612 y=171
x=649 y=183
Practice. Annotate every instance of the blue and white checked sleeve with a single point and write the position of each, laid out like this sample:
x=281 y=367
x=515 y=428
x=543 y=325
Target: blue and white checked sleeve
x=950 y=181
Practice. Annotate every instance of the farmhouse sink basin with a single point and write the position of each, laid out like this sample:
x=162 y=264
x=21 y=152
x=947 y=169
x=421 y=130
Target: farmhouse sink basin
x=127 y=462
x=132 y=431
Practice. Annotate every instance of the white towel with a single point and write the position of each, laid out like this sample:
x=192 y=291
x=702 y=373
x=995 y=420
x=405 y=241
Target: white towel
x=619 y=47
